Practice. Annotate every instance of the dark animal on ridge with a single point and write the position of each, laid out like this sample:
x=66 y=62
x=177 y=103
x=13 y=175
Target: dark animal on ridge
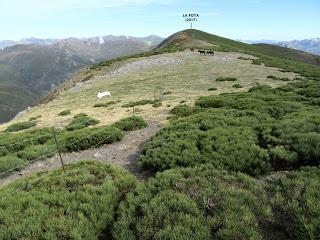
x=192 y=49
x=202 y=52
x=210 y=52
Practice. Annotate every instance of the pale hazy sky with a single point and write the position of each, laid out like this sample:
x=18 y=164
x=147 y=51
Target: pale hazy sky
x=237 y=19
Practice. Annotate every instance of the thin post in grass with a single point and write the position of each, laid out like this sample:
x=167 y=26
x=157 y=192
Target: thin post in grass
x=133 y=110
x=58 y=148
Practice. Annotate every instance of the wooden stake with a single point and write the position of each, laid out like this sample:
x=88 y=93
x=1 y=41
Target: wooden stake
x=58 y=148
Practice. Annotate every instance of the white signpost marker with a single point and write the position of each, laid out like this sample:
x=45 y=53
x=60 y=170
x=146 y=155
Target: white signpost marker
x=191 y=17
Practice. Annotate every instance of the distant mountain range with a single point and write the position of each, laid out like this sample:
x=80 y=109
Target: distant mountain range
x=308 y=45
x=31 y=68
x=35 y=41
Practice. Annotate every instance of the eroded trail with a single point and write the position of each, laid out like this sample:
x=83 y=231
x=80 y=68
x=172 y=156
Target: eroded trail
x=124 y=153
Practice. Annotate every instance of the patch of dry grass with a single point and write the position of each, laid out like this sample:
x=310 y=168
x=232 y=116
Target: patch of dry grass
x=186 y=81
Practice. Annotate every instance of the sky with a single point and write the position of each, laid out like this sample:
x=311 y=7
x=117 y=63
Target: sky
x=236 y=19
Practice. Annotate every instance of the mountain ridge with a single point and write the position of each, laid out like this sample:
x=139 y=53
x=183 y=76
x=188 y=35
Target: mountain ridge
x=37 y=69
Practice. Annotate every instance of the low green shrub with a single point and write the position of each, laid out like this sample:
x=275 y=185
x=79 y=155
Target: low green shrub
x=64 y=113
x=37 y=152
x=222 y=138
x=244 y=58
x=87 y=138
x=200 y=203
x=280 y=79
x=157 y=103
x=237 y=85
x=105 y=104
x=20 y=126
x=35 y=118
x=167 y=93
x=256 y=62
x=131 y=123
x=11 y=161
x=13 y=142
x=79 y=203
x=80 y=115
x=278 y=128
x=80 y=121
x=226 y=79
x=184 y=110
x=212 y=89
x=296 y=200
x=138 y=103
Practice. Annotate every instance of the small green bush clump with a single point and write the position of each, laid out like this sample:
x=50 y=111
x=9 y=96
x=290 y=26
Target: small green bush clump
x=212 y=89
x=157 y=103
x=35 y=118
x=64 y=113
x=106 y=104
x=79 y=203
x=277 y=78
x=226 y=79
x=131 y=123
x=237 y=85
x=244 y=58
x=199 y=203
x=184 y=110
x=80 y=121
x=138 y=103
x=11 y=161
x=167 y=93
x=20 y=126
x=38 y=152
x=86 y=138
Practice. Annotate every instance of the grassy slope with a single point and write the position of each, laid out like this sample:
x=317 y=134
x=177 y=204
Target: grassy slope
x=186 y=81
x=292 y=54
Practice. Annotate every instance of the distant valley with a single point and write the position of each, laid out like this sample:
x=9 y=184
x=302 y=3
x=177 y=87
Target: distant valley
x=31 y=68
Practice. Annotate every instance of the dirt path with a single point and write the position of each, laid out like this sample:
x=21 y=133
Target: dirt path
x=124 y=153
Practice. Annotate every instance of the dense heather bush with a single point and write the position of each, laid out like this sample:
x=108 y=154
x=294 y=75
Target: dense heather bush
x=14 y=142
x=86 y=138
x=20 y=126
x=198 y=203
x=105 y=104
x=296 y=200
x=80 y=121
x=131 y=123
x=35 y=118
x=37 y=152
x=237 y=85
x=64 y=113
x=77 y=204
x=184 y=110
x=138 y=103
x=200 y=139
x=226 y=79
x=277 y=78
x=11 y=161
x=250 y=132
x=157 y=103
x=212 y=89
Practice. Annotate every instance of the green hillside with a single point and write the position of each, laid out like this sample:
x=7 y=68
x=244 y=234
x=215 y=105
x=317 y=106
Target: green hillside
x=237 y=157
x=291 y=54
